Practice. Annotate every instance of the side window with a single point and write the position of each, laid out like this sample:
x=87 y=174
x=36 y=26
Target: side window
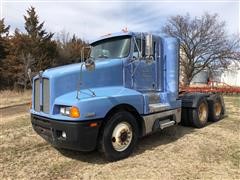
x=143 y=48
x=140 y=46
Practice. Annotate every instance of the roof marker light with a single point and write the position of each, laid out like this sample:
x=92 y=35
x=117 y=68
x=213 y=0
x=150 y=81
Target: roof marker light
x=125 y=30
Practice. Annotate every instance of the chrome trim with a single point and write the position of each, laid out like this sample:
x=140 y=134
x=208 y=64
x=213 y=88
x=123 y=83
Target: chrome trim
x=45 y=95
x=153 y=108
x=90 y=114
x=149 y=120
x=41 y=94
x=36 y=95
x=166 y=123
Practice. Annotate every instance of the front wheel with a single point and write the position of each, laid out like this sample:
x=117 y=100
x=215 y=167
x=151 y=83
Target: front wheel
x=119 y=136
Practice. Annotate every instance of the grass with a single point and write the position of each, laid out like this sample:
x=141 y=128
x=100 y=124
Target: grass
x=9 y=98
x=178 y=152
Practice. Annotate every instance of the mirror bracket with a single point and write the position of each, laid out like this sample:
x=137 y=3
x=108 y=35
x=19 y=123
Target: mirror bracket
x=149 y=59
x=90 y=64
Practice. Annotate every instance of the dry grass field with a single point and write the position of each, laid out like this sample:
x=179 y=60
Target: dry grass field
x=174 y=153
x=9 y=98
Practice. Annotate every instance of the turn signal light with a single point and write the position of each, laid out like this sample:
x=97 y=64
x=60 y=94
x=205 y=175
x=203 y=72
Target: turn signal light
x=74 y=112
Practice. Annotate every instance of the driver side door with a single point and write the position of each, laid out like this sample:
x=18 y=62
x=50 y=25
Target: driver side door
x=144 y=74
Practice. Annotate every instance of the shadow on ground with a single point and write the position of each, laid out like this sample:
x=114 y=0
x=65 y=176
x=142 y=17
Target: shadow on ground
x=149 y=142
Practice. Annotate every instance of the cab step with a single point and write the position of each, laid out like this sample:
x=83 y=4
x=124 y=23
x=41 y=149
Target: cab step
x=166 y=123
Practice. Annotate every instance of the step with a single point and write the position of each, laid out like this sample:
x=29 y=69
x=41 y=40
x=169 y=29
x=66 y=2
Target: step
x=158 y=107
x=166 y=123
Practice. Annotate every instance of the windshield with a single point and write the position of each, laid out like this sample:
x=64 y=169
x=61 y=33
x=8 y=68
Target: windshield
x=117 y=47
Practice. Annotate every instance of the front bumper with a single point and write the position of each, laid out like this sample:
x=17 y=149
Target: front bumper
x=79 y=135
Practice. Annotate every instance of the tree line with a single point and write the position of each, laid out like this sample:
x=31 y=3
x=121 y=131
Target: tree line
x=204 y=44
x=34 y=49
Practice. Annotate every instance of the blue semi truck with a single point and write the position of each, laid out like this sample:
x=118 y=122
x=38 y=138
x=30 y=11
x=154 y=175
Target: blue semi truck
x=126 y=88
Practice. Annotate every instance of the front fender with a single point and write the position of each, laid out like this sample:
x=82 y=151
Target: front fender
x=96 y=107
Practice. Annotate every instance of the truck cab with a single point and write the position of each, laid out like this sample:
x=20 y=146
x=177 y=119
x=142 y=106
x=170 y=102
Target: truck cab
x=126 y=89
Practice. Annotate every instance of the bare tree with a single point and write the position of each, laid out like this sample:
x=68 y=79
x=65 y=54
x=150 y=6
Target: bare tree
x=204 y=43
x=69 y=48
x=22 y=80
x=63 y=37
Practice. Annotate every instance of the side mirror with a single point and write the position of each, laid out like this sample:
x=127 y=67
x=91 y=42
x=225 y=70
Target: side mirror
x=149 y=48
x=90 y=64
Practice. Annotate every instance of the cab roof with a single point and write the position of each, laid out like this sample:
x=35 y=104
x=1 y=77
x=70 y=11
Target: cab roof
x=110 y=35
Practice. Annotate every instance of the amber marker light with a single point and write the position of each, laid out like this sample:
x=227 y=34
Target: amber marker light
x=93 y=124
x=74 y=112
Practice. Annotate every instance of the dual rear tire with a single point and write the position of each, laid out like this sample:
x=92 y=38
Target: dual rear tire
x=207 y=109
x=200 y=114
x=215 y=108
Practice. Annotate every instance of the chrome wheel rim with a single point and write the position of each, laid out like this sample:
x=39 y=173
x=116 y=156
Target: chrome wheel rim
x=122 y=136
x=202 y=112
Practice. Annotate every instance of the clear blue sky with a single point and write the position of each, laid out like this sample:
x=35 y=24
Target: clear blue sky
x=90 y=19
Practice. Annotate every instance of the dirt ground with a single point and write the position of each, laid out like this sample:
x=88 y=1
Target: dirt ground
x=174 y=153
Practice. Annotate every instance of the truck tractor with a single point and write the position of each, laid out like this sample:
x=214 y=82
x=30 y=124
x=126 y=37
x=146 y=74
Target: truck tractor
x=126 y=88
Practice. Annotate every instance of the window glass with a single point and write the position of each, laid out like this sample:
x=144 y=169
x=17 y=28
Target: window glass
x=141 y=48
x=117 y=47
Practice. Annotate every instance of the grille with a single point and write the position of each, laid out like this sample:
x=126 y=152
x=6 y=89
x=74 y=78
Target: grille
x=41 y=87
x=37 y=95
x=45 y=95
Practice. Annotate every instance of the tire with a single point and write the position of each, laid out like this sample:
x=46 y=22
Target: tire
x=215 y=108
x=199 y=115
x=119 y=136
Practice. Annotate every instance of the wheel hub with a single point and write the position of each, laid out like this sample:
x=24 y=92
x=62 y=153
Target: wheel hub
x=122 y=136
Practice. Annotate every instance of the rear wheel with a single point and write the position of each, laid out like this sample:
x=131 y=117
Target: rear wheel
x=119 y=136
x=200 y=114
x=215 y=108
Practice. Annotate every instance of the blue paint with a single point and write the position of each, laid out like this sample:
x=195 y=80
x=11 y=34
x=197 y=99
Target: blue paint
x=171 y=52
x=114 y=82
x=106 y=98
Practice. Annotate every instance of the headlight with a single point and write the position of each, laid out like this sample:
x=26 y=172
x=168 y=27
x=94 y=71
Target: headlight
x=65 y=110
x=70 y=111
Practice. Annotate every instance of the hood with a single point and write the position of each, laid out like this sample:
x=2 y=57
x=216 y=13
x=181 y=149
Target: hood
x=65 y=79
